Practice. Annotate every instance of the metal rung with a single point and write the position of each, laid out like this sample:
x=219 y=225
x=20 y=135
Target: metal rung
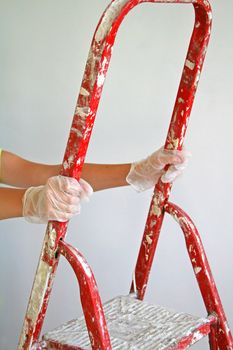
x=134 y=325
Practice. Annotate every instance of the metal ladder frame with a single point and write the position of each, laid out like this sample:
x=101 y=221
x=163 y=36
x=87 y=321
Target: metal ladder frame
x=83 y=121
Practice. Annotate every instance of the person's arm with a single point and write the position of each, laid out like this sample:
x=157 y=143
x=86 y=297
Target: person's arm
x=18 y=172
x=11 y=202
x=53 y=197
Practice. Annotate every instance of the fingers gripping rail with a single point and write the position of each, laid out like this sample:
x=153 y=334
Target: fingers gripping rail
x=81 y=129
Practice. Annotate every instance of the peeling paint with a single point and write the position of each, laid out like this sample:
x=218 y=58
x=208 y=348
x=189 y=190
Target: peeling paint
x=82 y=111
x=197 y=78
x=210 y=16
x=51 y=240
x=197 y=336
x=110 y=15
x=175 y=143
x=24 y=334
x=156 y=209
x=189 y=64
x=100 y=80
x=39 y=290
x=148 y=239
x=227 y=327
x=84 y=92
x=84 y=264
x=197 y=270
x=79 y=134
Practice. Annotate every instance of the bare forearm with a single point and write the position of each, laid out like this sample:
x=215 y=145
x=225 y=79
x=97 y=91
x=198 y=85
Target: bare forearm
x=18 y=172
x=11 y=203
x=103 y=176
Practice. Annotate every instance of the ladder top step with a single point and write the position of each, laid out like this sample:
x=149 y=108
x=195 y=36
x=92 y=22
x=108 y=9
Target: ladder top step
x=134 y=325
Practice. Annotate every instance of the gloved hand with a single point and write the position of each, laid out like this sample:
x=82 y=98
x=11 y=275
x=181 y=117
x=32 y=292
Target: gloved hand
x=59 y=199
x=146 y=173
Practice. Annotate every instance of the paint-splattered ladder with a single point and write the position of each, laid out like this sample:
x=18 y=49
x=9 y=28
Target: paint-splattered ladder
x=128 y=322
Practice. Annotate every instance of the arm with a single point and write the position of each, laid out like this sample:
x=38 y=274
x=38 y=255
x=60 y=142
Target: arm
x=53 y=197
x=18 y=172
x=11 y=202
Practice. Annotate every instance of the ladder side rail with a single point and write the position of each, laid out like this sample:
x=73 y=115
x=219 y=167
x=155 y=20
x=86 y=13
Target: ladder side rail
x=175 y=138
x=80 y=132
x=213 y=341
x=90 y=298
x=83 y=120
x=203 y=275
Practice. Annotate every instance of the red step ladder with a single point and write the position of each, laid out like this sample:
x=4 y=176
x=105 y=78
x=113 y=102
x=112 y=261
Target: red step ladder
x=127 y=322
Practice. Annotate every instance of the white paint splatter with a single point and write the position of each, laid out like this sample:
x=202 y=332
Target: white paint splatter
x=175 y=143
x=182 y=133
x=39 y=290
x=84 y=92
x=197 y=336
x=210 y=16
x=197 y=78
x=65 y=165
x=71 y=159
x=197 y=270
x=100 y=79
x=190 y=248
x=189 y=64
x=83 y=262
x=77 y=132
x=227 y=327
x=155 y=209
x=148 y=239
x=82 y=111
x=110 y=15
x=52 y=237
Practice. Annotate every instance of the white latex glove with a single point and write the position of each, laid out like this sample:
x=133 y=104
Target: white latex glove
x=59 y=199
x=146 y=173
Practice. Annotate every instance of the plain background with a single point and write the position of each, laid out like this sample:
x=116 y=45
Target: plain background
x=43 y=51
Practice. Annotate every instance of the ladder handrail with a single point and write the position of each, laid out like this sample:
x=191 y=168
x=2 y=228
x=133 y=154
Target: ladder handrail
x=83 y=120
x=89 y=295
x=203 y=275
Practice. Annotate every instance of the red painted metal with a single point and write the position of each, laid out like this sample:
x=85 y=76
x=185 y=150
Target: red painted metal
x=221 y=335
x=193 y=338
x=83 y=120
x=175 y=137
x=90 y=299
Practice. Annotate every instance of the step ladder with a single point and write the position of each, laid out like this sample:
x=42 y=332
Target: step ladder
x=127 y=322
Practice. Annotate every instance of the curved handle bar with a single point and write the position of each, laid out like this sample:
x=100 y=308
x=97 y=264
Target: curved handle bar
x=96 y=70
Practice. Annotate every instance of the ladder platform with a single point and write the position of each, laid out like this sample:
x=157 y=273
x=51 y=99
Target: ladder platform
x=134 y=325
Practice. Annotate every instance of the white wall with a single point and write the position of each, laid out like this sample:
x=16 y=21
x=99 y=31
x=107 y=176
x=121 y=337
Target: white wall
x=44 y=45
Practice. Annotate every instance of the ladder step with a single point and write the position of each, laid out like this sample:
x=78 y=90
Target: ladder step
x=134 y=324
